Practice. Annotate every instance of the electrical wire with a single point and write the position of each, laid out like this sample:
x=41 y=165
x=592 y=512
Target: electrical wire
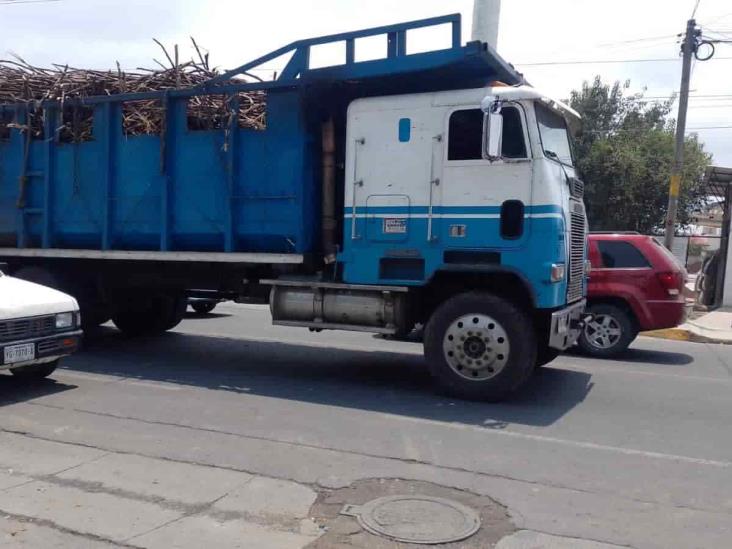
x=609 y=61
x=696 y=7
x=10 y=2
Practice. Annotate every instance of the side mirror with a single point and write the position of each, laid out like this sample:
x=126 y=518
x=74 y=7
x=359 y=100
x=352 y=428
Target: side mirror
x=493 y=133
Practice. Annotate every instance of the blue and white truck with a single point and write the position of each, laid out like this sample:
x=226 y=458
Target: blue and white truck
x=432 y=189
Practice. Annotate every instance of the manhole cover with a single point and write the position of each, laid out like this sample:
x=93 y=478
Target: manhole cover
x=416 y=519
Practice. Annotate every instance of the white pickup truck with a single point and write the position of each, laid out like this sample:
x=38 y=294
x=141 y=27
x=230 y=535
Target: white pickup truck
x=38 y=326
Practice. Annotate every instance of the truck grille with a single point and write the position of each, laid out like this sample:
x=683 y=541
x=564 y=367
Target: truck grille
x=26 y=328
x=576 y=188
x=575 y=285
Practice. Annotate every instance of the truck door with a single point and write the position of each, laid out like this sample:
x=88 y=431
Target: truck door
x=484 y=203
x=389 y=175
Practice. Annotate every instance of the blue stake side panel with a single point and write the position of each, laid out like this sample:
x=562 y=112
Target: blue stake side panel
x=118 y=181
x=232 y=191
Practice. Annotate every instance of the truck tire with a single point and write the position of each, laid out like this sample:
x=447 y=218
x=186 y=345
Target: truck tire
x=203 y=307
x=35 y=371
x=609 y=333
x=546 y=355
x=151 y=316
x=480 y=347
x=38 y=275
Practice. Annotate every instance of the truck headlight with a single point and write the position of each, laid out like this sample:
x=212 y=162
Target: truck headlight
x=64 y=320
x=558 y=271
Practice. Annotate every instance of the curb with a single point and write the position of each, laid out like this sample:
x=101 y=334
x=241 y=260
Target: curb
x=680 y=334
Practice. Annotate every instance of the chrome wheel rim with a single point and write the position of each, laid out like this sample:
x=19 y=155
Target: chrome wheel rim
x=476 y=347
x=603 y=331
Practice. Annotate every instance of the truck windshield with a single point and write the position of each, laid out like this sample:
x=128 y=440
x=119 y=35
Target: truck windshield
x=554 y=135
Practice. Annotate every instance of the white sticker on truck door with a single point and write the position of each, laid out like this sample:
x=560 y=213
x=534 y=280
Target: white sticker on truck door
x=395 y=225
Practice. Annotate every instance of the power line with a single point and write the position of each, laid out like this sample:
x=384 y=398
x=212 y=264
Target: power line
x=603 y=61
x=8 y=2
x=665 y=36
x=696 y=7
x=710 y=128
x=709 y=97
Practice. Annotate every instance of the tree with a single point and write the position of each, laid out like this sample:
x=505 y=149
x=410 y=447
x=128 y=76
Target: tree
x=624 y=151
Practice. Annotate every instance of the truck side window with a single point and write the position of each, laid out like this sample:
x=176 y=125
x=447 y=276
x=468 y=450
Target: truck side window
x=513 y=143
x=621 y=255
x=465 y=140
x=466 y=135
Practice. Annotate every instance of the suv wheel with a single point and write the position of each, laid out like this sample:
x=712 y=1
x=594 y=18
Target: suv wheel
x=609 y=333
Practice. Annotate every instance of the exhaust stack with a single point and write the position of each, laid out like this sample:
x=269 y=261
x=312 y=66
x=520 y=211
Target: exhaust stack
x=486 y=15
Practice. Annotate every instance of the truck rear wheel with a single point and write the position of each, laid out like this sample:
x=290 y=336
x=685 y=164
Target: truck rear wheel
x=203 y=307
x=480 y=347
x=151 y=316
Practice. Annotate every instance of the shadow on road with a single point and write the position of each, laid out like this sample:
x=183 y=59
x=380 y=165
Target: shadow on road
x=645 y=356
x=13 y=390
x=389 y=382
x=190 y=314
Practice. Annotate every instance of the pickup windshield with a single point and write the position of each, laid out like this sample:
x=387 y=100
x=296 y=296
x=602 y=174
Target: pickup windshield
x=554 y=135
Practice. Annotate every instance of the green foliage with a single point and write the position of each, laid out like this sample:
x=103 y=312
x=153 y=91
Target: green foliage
x=625 y=151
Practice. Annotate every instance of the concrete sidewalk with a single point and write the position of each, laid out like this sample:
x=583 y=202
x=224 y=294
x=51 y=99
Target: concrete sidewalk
x=57 y=496
x=62 y=495
x=712 y=327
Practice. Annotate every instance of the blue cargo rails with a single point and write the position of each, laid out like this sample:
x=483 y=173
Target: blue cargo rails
x=433 y=189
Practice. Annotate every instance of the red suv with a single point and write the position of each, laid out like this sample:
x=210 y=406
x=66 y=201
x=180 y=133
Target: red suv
x=635 y=285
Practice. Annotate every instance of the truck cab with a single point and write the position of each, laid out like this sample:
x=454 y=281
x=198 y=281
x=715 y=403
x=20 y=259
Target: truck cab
x=425 y=195
x=461 y=212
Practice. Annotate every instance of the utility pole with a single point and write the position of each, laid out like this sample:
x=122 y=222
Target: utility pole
x=688 y=49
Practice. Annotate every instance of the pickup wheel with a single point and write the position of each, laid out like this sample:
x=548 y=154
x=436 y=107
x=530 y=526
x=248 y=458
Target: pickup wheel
x=609 y=333
x=35 y=371
x=150 y=316
x=480 y=347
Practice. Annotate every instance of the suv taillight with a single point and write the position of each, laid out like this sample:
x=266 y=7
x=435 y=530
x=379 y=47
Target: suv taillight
x=670 y=281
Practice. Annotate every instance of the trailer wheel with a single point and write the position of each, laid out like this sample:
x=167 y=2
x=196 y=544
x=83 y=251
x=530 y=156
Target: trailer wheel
x=35 y=371
x=480 y=347
x=150 y=316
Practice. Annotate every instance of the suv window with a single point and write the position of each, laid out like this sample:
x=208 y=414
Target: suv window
x=621 y=255
x=465 y=135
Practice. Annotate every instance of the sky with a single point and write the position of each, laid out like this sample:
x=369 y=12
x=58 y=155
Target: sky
x=556 y=44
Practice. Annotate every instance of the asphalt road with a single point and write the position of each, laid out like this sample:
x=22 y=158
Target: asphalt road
x=635 y=452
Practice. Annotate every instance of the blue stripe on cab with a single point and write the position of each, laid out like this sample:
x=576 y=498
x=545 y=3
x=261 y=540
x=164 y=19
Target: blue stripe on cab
x=547 y=208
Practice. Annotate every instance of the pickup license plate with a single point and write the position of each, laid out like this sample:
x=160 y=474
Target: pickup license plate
x=20 y=353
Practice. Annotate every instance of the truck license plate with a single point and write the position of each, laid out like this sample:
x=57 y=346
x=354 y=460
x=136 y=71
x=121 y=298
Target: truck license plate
x=20 y=353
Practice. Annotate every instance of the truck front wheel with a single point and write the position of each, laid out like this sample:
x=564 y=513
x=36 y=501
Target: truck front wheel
x=480 y=347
